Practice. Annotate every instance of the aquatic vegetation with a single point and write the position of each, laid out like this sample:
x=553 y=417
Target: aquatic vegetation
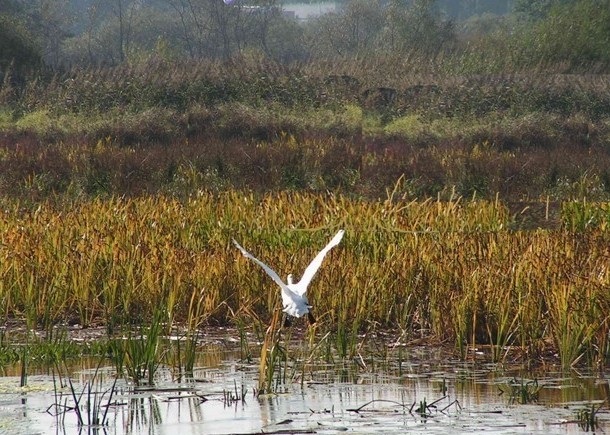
x=140 y=354
x=521 y=390
x=94 y=411
x=330 y=399
x=23 y=377
x=587 y=418
x=244 y=346
x=421 y=409
x=271 y=356
x=501 y=324
x=346 y=337
x=583 y=215
x=450 y=270
x=185 y=356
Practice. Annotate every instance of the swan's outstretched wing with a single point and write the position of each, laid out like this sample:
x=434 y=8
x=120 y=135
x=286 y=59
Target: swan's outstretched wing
x=301 y=287
x=267 y=269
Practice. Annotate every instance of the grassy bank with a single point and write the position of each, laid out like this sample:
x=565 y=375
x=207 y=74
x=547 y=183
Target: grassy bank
x=445 y=270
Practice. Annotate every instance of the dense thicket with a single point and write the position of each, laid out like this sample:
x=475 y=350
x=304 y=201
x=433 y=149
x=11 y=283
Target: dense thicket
x=177 y=96
x=70 y=32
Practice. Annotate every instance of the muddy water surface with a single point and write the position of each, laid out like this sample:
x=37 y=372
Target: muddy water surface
x=416 y=390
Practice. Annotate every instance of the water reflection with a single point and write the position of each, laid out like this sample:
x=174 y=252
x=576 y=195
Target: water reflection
x=359 y=396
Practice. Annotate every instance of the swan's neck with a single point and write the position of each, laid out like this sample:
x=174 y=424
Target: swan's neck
x=289 y=279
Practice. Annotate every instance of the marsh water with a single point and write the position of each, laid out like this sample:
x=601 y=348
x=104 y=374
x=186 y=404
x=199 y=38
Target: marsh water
x=389 y=387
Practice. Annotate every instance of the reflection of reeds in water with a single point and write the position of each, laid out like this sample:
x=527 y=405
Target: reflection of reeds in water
x=453 y=270
x=91 y=405
x=587 y=418
x=521 y=391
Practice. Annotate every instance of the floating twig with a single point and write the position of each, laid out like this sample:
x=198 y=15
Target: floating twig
x=356 y=410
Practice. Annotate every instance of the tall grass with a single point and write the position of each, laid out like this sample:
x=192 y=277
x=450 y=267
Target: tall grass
x=453 y=269
x=273 y=355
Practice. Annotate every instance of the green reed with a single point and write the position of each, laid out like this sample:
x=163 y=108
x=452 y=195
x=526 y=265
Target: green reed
x=194 y=323
x=140 y=354
x=583 y=215
x=521 y=391
x=346 y=338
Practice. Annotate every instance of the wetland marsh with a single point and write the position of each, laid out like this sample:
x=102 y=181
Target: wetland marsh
x=455 y=270
x=414 y=388
x=432 y=316
x=471 y=291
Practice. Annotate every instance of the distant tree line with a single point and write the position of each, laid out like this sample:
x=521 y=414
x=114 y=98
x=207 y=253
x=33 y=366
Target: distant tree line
x=65 y=33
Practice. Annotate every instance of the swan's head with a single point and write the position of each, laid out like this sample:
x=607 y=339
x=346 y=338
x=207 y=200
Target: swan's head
x=289 y=279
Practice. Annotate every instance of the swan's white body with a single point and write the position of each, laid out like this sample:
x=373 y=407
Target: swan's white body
x=294 y=299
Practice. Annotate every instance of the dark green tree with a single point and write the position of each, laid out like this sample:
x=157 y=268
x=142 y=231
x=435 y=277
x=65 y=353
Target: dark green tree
x=18 y=49
x=537 y=9
x=577 y=32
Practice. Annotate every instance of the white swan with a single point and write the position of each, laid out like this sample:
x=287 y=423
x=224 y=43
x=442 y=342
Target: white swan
x=293 y=294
